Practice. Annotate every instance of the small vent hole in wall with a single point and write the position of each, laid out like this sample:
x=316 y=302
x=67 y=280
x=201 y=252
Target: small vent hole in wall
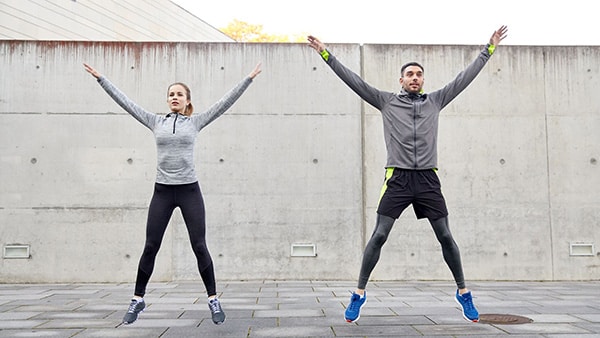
x=304 y=250
x=16 y=251
x=582 y=249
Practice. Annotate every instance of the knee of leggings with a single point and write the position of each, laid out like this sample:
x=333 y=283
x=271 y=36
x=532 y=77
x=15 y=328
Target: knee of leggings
x=445 y=237
x=200 y=249
x=151 y=247
x=447 y=241
x=378 y=239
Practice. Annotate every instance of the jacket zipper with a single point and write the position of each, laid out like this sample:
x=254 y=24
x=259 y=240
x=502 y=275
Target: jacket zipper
x=175 y=121
x=415 y=132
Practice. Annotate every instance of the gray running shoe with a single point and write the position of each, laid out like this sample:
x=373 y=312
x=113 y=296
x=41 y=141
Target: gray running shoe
x=218 y=316
x=135 y=308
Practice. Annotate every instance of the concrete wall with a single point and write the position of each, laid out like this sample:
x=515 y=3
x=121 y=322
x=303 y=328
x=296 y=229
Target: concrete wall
x=298 y=159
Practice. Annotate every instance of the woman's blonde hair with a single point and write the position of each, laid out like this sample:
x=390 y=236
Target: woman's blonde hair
x=189 y=108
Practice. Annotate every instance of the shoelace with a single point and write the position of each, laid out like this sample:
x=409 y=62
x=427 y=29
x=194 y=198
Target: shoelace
x=215 y=306
x=468 y=302
x=132 y=306
x=354 y=303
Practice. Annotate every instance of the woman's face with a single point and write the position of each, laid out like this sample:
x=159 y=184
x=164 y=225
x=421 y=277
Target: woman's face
x=177 y=98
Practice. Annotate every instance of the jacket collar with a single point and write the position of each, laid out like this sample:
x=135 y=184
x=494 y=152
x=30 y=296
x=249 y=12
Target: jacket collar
x=174 y=114
x=412 y=96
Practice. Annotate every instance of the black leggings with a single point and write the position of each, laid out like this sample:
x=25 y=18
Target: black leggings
x=379 y=237
x=165 y=199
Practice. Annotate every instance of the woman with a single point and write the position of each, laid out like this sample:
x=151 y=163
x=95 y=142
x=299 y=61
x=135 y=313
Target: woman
x=176 y=182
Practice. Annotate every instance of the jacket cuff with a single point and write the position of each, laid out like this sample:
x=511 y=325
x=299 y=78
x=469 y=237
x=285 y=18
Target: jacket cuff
x=325 y=54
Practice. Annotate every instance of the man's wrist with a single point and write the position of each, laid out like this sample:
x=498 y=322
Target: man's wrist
x=324 y=54
x=491 y=48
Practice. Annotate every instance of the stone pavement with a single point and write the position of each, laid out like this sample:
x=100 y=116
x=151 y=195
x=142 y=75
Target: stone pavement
x=299 y=309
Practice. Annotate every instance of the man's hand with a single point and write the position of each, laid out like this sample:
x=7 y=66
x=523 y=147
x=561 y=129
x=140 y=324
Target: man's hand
x=498 y=35
x=316 y=44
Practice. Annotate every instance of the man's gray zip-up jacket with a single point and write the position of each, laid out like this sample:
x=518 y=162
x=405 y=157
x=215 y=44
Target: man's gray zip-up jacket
x=175 y=134
x=410 y=121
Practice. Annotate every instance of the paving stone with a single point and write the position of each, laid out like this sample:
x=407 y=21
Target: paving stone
x=5 y=333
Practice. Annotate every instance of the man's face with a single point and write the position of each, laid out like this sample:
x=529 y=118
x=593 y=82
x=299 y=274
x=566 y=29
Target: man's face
x=412 y=80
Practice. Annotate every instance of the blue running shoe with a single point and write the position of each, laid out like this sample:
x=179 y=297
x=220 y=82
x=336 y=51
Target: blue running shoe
x=353 y=310
x=468 y=309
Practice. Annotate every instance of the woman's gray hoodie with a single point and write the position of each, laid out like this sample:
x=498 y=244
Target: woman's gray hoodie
x=175 y=134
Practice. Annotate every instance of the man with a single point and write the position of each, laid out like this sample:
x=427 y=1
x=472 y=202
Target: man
x=410 y=125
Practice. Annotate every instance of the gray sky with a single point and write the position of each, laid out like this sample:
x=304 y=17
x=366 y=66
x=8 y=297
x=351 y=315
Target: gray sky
x=469 y=22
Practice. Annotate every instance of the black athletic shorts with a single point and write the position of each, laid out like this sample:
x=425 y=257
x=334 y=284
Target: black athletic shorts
x=421 y=188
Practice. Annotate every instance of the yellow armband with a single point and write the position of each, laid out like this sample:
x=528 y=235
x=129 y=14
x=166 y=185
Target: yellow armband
x=325 y=54
x=491 y=48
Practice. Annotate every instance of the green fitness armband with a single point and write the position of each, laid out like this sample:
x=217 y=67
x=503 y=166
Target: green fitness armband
x=491 y=48
x=325 y=54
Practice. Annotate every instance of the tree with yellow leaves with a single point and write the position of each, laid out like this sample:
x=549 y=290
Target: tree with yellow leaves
x=242 y=31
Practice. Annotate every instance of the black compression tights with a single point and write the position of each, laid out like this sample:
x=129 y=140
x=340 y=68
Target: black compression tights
x=165 y=199
x=379 y=237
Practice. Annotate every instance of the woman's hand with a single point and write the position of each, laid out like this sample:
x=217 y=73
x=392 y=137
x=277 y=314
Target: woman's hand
x=255 y=72
x=91 y=70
